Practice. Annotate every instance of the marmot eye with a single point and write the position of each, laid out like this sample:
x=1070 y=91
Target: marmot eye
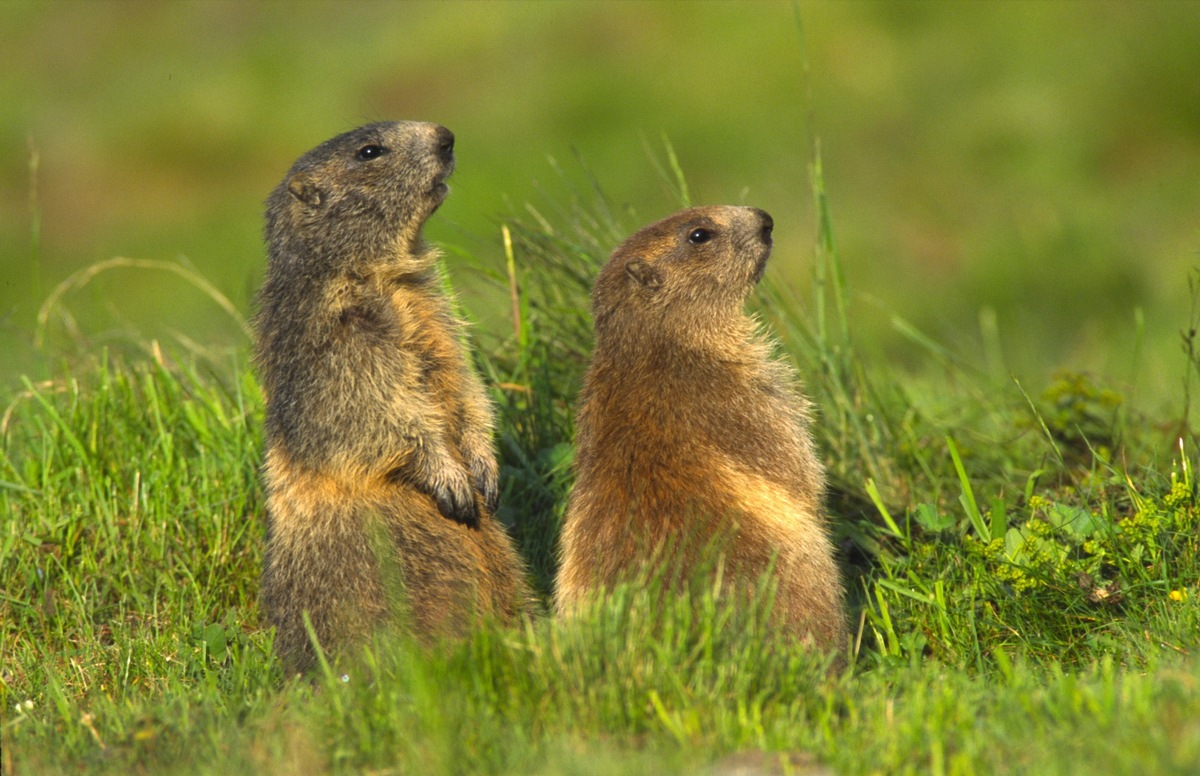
x=698 y=236
x=368 y=152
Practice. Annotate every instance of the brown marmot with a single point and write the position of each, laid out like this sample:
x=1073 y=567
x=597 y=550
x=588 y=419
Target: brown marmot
x=379 y=470
x=689 y=433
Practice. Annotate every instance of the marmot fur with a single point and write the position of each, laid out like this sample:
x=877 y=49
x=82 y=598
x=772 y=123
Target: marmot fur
x=690 y=436
x=380 y=477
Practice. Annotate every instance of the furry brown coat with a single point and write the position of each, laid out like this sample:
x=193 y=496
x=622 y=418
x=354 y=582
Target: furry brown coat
x=690 y=436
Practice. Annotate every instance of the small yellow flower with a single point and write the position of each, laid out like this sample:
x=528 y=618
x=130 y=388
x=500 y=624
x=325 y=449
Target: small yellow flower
x=1177 y=595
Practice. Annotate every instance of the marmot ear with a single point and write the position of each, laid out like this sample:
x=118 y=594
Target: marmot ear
x=645 y=274
x=304 y=188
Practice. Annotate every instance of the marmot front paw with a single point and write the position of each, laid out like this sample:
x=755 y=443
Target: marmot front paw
x=456 y=501
x=486 y=476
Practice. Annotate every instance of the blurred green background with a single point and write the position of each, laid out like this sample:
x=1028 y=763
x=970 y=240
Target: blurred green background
x=1035 y=163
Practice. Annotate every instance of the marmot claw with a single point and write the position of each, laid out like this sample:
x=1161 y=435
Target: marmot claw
x=457 y=504
x=487 y=484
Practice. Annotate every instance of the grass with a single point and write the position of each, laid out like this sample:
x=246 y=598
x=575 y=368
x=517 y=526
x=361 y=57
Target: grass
x=1022 y=558
x=1023 y=566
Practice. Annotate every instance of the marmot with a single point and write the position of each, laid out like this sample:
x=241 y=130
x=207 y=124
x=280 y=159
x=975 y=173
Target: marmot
x=379 y=469
x=690 y=436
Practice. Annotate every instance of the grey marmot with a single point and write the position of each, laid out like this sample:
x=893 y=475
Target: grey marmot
x=381 y=480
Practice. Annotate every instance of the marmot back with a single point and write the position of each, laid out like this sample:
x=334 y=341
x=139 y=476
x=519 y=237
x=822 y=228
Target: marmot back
x=380 y=477
x=689 y=435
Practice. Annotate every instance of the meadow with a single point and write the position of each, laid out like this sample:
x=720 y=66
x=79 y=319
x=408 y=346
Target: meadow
x=985 y=287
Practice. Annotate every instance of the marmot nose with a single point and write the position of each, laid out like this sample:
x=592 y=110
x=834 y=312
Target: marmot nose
x=444 y=141
x=768 y=224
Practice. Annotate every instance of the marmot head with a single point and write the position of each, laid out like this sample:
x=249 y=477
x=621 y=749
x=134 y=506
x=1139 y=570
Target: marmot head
x=692 y=268
x=364 y=191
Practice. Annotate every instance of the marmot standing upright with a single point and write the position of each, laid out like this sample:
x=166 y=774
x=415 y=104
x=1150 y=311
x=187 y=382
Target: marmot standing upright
x=379 y=468
x=690 y=436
